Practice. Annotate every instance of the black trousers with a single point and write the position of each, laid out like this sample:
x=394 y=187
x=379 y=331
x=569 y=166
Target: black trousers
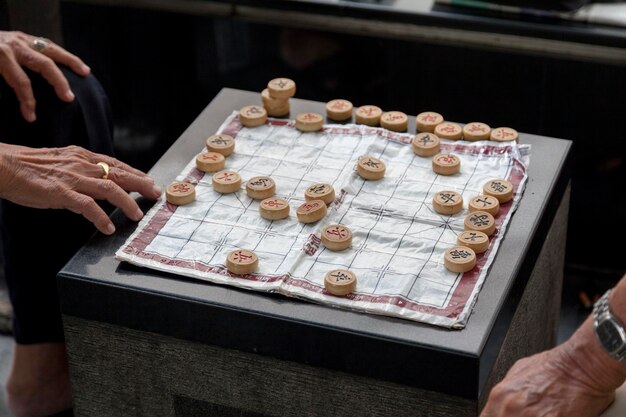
x=38 y=242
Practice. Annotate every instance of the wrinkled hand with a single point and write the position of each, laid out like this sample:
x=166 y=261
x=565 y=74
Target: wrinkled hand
x=69 y=178
x=552 y=383
x=16 y=52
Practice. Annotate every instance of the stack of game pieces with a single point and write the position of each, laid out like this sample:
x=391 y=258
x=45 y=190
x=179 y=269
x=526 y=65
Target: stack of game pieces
x=276 y=96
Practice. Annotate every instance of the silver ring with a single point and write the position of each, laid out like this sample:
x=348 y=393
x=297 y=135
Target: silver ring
x=40 y=44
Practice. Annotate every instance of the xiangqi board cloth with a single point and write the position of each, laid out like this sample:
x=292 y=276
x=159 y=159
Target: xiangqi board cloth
x=398 y=239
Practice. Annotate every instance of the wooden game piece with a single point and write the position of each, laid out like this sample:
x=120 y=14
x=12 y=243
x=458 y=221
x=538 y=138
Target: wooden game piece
x=320 y=191
x=275 y=107
x=224 y=144
x=260 y=188
x=274 y=208
x=242 y=262
x=446 y=164
x=504 y=134
x=480 y=221
x=340 y=282
x=311 y=211
x=473 y=239
x=476 y=131
x=427 y=121
x=368 y=115
x=252 y=116
x=281 y=88
x=336 y=237
x=180 y=193
x=500 y=189
x=487 y=203
x=449 y=130
x=226 y=182
x=395 y=121
x=447 y=202
x=425 y=144
x=459 y=259
x=210 y=161
x=370 y=168
x=339 y=110
x=309 y=122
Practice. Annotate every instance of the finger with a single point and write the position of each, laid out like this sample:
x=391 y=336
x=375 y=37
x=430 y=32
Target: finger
x=113 y=193
x=39 y=62
x=89 y=209
x=142 y=184
x=17 y=79
x=62 y=56
x=117 y=164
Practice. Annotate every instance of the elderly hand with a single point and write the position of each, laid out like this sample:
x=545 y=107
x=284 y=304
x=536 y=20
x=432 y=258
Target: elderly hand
x=574 y=379
x=17 y=50
x=69 y=178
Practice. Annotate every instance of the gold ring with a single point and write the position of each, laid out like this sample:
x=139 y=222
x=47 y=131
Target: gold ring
x=40 y=44
x=105 y=170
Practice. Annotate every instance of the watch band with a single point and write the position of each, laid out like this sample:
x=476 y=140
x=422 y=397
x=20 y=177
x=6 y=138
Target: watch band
x=602 y=313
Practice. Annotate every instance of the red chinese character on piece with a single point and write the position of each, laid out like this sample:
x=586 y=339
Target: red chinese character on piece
x=447 y=159
x=429 y=117
x=228 y=176
x=448 y=129
x=394 y=116
x=309 y=117
x=476 y=128
x=311 y=206
x=239 y=256
x=504 y=134
x=336 y=231
x=339 y=105
x=212 y=157
x=181 y=187
x=368 y=110
x=273 y=203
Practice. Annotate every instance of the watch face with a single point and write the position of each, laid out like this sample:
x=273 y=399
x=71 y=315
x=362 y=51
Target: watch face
x=609 y=336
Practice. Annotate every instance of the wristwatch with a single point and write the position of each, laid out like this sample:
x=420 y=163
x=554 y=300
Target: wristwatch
x=609 y=329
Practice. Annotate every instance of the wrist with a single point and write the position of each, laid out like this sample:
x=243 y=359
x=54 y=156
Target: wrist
x=601 y=371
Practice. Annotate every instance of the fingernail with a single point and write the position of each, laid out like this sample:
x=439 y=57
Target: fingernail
x=138 y=215
x=110 y=229
x=31 y=117
x=69 y=95
x=157 y=190
x=86 y=68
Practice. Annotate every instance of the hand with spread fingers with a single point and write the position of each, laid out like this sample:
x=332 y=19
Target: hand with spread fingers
x=19 y=50
x=72 y=178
